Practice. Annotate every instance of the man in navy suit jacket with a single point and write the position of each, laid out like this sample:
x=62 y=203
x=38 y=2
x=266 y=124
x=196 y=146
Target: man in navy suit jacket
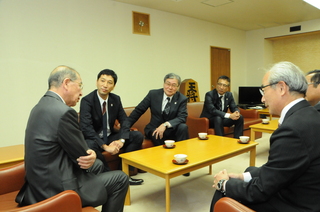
x=290 y=179
x=163 y=126
x=91 y=121
x=217 y=113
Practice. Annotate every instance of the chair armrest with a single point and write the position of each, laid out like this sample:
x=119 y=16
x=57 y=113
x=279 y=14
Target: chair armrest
x=64 y=201
x=12 y=178
x=196 y=125
x=230 y=205
x=249 y=113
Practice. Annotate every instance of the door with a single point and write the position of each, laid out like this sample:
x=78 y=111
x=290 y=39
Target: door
x=220 y=64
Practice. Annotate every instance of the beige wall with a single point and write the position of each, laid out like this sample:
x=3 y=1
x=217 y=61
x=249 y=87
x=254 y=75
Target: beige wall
x=303 y=50
x=89 y=36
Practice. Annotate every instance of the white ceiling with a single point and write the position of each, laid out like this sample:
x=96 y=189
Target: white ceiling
x=239 y=14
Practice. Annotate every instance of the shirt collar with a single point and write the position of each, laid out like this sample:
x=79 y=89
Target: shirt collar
x=102 y=100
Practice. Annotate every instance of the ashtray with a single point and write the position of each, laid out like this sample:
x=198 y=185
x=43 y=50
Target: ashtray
x=203 y=138
x=175 y=162
x=240 y=142
x=164 y=146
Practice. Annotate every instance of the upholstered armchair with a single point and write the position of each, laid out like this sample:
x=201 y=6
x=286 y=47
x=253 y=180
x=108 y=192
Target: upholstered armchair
x=12 y=179
x=227 y=204
x=196 y=124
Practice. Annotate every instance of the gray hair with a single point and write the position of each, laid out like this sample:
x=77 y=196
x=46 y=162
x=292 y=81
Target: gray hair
x=290 y=74
x=172 y=76
x=59 y=74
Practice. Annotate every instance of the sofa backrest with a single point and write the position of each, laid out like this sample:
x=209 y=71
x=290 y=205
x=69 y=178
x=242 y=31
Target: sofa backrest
x=194 y=109
x=142 y=121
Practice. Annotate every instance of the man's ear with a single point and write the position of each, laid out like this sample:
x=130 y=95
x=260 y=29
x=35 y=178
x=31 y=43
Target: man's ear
x=283 y=86
x=66 y=82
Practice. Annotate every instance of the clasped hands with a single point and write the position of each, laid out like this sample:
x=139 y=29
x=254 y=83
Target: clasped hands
x=114 y=147
x=225 y=176
x=235 y=115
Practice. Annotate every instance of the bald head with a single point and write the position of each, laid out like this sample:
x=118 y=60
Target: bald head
x=59 y=74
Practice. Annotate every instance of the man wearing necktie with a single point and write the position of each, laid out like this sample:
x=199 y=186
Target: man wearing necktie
x=216 y=105
x=99 y=111
x=168 y=112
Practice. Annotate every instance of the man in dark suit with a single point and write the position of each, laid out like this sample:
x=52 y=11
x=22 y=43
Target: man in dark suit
x=168 y=112
x=313 y=91
x=100 y=135
x=215 y=107
x=57 y=157
x=290 y=179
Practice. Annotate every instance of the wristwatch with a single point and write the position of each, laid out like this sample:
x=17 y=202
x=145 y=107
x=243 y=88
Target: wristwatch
x=166 y=124
x=220 y=186
x=122 y=140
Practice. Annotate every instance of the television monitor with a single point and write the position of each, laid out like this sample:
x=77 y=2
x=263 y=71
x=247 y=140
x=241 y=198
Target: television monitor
x=249 y=95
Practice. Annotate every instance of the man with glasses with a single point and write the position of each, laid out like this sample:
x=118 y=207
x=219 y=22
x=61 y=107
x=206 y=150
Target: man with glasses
x=216 y=105
x=168 y=112
x=290 y=179
x=313 y=92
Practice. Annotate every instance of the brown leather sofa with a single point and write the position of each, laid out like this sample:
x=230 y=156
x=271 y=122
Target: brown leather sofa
x=197 y=124
x=227 y=204
x=12 y=179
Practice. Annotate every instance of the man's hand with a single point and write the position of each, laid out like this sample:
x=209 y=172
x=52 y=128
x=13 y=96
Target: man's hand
x=235 y=115
x=219 y=176
x=111 y=148
x=159 y=131
x=85 y=162
x=117 y=143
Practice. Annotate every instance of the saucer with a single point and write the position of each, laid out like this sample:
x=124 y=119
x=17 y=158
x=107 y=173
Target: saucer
x=203 y=138
x=265 y=123
x=240 y=142
x=175 y=162
x=164 y=146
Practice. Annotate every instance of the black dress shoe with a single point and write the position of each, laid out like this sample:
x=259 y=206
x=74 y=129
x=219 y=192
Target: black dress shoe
x=135 y=181
x=186 y=174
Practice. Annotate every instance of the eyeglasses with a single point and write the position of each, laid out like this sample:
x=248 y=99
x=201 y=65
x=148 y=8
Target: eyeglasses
x=264 y=86
x=79 y=83
x=222 y=85
x=171 y=85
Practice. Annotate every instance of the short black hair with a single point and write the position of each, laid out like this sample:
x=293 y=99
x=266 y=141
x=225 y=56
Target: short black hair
x=315 y=79
x=110 y=73
x=224 y=77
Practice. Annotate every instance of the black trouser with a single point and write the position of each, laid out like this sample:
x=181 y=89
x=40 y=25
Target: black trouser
x=179 y=133
x=218 y=123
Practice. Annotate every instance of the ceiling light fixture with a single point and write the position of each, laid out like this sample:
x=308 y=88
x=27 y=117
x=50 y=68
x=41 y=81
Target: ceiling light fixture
x=315 y=3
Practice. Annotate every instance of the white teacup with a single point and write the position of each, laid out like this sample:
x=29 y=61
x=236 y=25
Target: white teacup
x=180 y=158
x=169 y=143
x=244 y=139
x=265 y=121
x=202 y=135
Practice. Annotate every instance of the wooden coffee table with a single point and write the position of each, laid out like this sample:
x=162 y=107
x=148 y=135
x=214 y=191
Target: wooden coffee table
x=201 y=153
x=267 y=128
x=10 y=155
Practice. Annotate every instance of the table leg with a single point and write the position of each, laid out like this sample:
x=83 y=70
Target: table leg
x=252 y=135
x=167 y=193
x=253 y=156
x=125 y=169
